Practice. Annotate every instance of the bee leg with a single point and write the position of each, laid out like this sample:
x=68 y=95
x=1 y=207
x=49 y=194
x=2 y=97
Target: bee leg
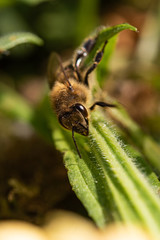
x=102 y=104
x=72 y=68
x=97 y=60
x=74 y=140
x=82 y=53
x=84 y=50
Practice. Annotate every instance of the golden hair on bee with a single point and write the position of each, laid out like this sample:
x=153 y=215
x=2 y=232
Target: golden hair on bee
x=70 y=94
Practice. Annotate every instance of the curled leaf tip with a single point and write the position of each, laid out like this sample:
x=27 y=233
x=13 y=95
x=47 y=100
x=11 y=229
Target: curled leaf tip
x=13 y=39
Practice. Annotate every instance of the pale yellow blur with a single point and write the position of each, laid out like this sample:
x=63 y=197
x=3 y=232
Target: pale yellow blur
x=68 y=226
x=17 y=230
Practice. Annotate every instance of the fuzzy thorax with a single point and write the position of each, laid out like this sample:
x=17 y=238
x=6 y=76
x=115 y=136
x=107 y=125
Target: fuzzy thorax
x=62 y=98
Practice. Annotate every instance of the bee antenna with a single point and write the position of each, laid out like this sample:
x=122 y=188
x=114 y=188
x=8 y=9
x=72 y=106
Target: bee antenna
x=75 y=143
x=62 y=68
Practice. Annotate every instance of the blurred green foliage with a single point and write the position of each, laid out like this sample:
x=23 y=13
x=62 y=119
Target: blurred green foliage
x=63 y=25
x=12 y=40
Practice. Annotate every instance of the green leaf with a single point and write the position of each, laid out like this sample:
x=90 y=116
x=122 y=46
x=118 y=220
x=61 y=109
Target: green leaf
x=107 y=180
x=144 y=142
x=103 y=68
x=84 y=174
x=13 y=39
x=104 y=34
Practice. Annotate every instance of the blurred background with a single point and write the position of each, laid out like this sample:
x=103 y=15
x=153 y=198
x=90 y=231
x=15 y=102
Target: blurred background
x=33 y=180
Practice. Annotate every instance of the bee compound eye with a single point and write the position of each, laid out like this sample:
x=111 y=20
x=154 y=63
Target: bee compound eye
x=81 y=109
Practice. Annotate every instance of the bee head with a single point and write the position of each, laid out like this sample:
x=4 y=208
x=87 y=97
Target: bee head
x=76 y=118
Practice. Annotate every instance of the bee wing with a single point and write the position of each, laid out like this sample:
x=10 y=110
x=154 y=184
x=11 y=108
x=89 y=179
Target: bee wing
x=53 y=66
x=55 y=69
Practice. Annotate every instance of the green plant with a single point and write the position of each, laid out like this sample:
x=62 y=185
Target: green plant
x=113 y=181
x=13 y=39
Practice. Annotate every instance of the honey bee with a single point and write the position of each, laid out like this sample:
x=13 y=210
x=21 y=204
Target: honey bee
x=70 y=94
